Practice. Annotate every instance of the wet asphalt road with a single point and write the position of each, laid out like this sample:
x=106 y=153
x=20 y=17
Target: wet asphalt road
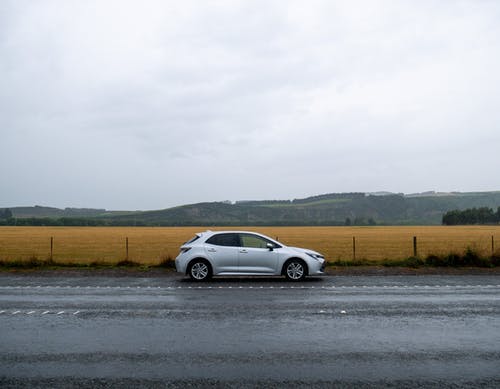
x=400 y=331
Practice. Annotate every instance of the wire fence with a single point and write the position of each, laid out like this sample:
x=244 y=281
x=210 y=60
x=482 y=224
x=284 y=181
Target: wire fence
x=154 y=245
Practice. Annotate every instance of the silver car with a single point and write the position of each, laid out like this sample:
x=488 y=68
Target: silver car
x=230 y=253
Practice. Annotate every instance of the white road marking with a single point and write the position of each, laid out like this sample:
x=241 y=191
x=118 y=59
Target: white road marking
x=44 y=313
x=76 y=313
x=30 y=312
x=60 y=313
x=417 y=287
x=16 y=312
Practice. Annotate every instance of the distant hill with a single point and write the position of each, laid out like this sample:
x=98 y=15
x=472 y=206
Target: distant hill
x=327 y=209
x=50 y=212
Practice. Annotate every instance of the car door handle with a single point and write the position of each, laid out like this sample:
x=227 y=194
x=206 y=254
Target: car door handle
x=243 y=251
x=212 y=250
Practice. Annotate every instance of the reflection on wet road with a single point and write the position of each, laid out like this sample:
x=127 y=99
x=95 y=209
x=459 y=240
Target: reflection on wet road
x=354 y=331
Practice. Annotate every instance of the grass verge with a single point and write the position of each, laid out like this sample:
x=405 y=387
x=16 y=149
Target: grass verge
x=469 y=258
x=34 y=263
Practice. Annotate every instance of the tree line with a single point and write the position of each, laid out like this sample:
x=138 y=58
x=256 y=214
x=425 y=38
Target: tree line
x=107 y=222
x=5 y=213
x=71 y=222
x=481 y=215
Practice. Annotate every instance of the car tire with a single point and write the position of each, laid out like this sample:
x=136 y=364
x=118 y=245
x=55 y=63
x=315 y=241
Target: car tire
x=295 y=270
x=200 y=270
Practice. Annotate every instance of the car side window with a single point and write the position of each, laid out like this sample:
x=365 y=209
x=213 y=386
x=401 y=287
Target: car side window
x=254 y=241
x=224 y=240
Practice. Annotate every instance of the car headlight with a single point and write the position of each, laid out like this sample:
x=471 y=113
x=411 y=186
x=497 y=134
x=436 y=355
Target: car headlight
x=317 y=257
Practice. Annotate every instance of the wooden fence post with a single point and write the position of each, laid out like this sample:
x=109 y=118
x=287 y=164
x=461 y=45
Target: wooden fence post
x=126 y=248
x=414 y=246
x=353 y=248
x=492 y=246
x=51 y=248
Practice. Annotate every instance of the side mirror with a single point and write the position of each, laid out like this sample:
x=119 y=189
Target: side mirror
x=270 y=246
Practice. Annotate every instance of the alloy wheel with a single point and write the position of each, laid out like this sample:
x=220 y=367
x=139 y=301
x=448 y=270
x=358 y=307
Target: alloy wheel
x=199 y=271
x=295 y=271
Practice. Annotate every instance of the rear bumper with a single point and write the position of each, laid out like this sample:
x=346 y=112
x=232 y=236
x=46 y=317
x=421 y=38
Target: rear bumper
x=180 y=265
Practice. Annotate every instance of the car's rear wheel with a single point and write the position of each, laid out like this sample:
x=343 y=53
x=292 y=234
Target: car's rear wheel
x=295 y=270
x=200 y=270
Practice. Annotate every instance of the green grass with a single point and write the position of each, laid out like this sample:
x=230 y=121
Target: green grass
x=469 y=258
x=34 y=263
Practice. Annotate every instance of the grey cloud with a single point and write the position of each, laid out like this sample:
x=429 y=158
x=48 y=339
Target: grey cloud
x=118 y=104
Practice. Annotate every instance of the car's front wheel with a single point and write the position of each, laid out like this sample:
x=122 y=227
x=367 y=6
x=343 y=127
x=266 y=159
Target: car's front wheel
x=200 y=270
x=295 y=270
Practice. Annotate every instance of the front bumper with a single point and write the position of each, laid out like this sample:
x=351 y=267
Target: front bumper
x=318 y=269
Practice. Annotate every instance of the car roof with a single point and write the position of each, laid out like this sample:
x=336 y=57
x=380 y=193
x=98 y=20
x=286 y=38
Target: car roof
x=210 y=232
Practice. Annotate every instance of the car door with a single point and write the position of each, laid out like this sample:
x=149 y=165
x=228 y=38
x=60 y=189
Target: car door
x=255 y=257
x=222 y=250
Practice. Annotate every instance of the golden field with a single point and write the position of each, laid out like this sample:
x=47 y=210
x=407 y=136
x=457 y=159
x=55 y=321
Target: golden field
x=151 y=245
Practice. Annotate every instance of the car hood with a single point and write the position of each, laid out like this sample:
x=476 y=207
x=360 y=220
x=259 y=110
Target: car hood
x=305 y=251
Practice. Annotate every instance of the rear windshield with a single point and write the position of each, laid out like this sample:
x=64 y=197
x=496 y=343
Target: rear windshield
x=196 y=237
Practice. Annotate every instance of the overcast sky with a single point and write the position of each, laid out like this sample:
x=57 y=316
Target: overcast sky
x=151 y=104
